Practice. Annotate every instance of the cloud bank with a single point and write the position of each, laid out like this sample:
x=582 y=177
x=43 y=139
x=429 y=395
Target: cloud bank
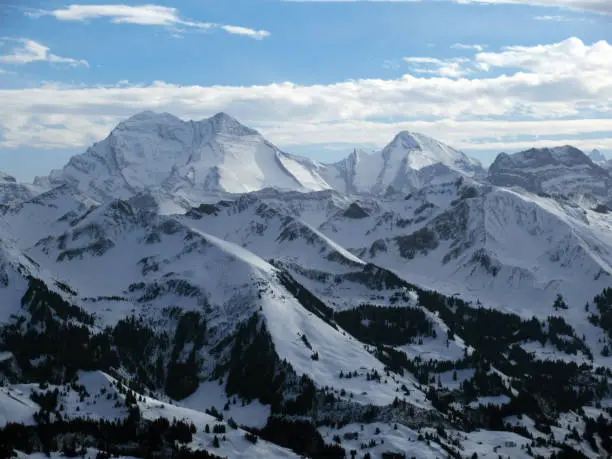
x=561 y=90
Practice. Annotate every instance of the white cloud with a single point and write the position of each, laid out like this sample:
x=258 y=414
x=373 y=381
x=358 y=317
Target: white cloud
x=562 y=90
x=237 y=30
x=449 y=68
x=475 y=47
x=569 y=57
x=27 y=51
x=594 y=6
x=152 y=15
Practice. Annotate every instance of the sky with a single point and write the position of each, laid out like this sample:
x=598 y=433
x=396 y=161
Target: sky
x=316 y=78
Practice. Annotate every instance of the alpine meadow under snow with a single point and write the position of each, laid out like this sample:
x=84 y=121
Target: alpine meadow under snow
x=187 y=289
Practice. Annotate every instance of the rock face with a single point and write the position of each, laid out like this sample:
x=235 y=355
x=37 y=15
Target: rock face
x=561 y=170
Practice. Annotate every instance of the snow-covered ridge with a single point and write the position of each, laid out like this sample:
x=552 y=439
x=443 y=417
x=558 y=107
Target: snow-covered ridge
x=186 y=159
x=560 y=170
x=186 y=162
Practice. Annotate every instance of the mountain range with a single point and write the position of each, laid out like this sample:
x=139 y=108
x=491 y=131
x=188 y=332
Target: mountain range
x=405 y=301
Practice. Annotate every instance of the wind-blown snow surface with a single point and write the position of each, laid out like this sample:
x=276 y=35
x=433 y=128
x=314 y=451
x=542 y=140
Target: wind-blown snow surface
x=184 y=159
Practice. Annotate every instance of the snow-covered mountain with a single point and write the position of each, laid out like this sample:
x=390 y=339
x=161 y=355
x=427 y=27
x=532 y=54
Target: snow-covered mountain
x=191 y=162
x=597 y=157
x=559 y=171
x=399 y=167
x=13 y=192
x=396 y=302
x=511 y=249
x=185 y=160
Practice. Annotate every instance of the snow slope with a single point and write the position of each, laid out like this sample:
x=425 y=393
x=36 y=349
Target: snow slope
x=508 y=249
x=109 y=253
x=105 y=399
x=271 y=233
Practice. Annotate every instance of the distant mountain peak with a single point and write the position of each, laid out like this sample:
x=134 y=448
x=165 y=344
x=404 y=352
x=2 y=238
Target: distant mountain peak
x=408 y=140
x=221 y=123
x=419 y=151
x=561 y=170
x=150 y=117
x=407 y=160
x=536 y=157
x=7 y=178
x=226 y=124
x=597 y=156
x=184 y=160
x=223 y=117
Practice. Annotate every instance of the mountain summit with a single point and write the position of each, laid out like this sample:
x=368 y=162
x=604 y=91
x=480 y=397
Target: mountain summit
x=420 y=151
x=401 y=165
x=187 y=162
x=597 y=157
x=184 y=159
x=560 y=170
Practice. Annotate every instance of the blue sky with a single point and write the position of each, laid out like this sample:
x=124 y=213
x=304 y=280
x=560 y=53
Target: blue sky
x=316 y=78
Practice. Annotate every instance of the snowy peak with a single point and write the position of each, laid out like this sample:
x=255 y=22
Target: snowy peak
x=222 y=123
x=409 y=161
x=539 y=157
x=149 y=117
x=406 y=140
x=597 y=157
x=5 y=178
x=421 y=151
x=184 y=161
x=560 y=170
x=166 y=124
